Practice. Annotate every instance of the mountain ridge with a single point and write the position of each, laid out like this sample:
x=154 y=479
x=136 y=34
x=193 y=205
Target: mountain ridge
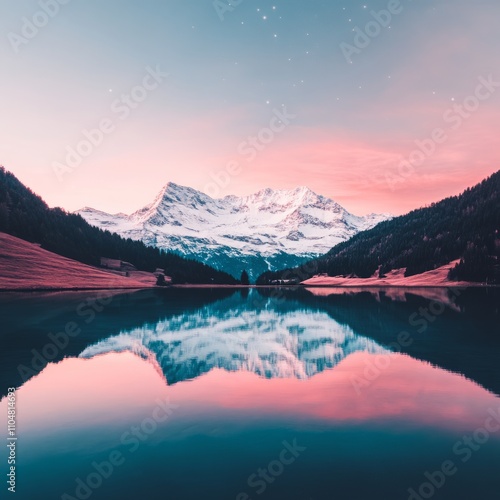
x=256 y=232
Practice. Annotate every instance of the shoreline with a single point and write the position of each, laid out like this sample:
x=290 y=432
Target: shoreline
x=27 y=268
x=243 y=287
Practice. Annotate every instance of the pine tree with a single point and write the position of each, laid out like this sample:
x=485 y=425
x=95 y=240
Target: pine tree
x=244 y=278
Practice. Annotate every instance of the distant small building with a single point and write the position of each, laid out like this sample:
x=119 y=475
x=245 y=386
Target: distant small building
x=117 y=265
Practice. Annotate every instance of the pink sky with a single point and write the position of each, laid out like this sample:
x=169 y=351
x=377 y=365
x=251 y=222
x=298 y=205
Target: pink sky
x=352 y=125
x=354 y=171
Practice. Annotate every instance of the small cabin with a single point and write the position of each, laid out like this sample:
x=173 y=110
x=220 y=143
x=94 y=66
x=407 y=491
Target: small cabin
x=117 y=265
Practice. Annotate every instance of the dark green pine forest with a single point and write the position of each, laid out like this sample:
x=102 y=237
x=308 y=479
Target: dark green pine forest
x=465 y=227
x=25 y=215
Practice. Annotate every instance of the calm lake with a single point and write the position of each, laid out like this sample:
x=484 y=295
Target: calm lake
x=271 y=394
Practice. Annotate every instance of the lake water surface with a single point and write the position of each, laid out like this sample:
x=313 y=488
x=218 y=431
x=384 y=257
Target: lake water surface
x=253 y=394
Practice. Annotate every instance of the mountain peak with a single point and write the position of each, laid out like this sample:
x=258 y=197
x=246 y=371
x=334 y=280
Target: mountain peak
x=172 y=187
x=298 y=192
x=305 y=192
x=272 y=228
x=175 y=193
x=303 y=189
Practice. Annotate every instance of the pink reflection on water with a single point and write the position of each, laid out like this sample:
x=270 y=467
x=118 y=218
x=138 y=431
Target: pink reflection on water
x=116 y=388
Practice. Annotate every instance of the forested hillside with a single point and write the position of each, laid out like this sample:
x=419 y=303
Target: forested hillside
x=465 y=227
x=27 y=216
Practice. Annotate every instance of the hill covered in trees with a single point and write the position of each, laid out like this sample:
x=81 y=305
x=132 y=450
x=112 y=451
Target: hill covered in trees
x=27 y=216
x=465 y=227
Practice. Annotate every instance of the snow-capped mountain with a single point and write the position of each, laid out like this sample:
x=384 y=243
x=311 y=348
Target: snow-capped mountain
x=270 y=229
x=274 y=341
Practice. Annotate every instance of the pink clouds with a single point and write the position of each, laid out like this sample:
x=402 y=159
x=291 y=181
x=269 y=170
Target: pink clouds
x=355 y=170
x=350 y=166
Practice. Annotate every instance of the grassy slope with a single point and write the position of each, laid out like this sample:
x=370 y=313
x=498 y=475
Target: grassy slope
x=24 y=265
x=436 y=277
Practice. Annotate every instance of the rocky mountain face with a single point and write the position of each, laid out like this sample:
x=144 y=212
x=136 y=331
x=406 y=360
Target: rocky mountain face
x=268 y=230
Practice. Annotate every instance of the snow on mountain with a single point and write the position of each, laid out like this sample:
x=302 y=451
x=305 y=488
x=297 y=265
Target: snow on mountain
x=270 y=229
x=274 y=342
